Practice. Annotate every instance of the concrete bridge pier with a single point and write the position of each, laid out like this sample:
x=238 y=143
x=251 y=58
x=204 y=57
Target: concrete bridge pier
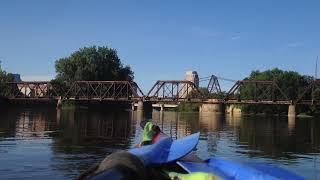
x=292 y=110
x=140 y=106
x=162 y=107
x=233 y=110
x=144 y=106
x=59 y=103
x=132 y=106
x=212 y=108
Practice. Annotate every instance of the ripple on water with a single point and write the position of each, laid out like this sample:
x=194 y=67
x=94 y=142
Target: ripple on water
x=34 y=143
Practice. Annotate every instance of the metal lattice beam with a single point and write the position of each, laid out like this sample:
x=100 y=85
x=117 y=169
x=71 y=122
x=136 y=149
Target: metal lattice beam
x=213 y=85
x=173 y=91
x=264 y=92
x=310 y=95
x=30 y=90
x=103 y=90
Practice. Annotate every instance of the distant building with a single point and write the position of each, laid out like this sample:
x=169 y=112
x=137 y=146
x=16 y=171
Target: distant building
x=193 y=77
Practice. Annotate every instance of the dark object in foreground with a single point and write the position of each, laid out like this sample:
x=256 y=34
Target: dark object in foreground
x=118 y=165
x=162 y=160
x=121 y=165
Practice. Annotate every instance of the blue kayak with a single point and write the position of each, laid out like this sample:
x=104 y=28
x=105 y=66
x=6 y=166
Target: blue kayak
x=166 y=150
x=226 y=169
x=171 y=151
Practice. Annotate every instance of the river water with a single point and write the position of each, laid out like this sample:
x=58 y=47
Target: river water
x=45 y=143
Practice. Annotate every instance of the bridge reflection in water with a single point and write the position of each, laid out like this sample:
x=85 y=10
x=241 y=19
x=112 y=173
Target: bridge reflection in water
x=270 y=135
x=74 y=139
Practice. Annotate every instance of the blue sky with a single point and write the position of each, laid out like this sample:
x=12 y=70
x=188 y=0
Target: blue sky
x=162 y=39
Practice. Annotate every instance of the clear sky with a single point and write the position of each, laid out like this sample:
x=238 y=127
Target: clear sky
x=161 y=39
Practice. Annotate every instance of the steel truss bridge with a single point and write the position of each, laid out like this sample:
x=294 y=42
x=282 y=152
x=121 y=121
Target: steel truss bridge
x=166 y=91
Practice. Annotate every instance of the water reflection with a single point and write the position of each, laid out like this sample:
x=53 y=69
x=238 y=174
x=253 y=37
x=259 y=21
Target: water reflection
x=95 y=128
x=291 y=124
x=276 y=137
x=86 y=136
x=211 y=125
x=27 y=123
x=64 y=143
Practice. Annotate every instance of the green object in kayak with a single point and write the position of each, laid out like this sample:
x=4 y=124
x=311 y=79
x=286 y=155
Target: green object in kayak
x=147 y=132
x=193 y=176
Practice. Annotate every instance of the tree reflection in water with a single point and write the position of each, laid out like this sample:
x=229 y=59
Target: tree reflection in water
x=66 y=142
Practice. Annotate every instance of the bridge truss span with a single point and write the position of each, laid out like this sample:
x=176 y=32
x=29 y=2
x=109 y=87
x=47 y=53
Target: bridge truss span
x=171 y=91
x=104 y=90
x=256 y=92
x=30 y=90
x=174 y=91
x=213 y=85
x=310 y=95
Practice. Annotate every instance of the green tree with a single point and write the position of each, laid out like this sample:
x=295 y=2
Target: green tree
x=291 y=84
x=4 y=78
x=92 y=64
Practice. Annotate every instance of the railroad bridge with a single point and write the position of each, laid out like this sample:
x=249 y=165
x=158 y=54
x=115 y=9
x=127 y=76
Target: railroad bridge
x=164 y=92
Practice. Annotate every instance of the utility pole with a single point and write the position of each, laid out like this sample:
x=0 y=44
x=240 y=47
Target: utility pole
x=316 y=70
x=315 y=79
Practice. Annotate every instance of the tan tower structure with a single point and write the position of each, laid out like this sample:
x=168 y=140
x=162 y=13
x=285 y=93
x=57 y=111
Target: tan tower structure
x=193 y=77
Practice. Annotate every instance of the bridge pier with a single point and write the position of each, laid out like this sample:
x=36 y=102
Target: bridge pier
x=140 y=106
x=144 y=106
x=233 y=110
x=212 y=108
x=162 y=107
x=59 y=103
x=292 y=110
x=132 y=106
